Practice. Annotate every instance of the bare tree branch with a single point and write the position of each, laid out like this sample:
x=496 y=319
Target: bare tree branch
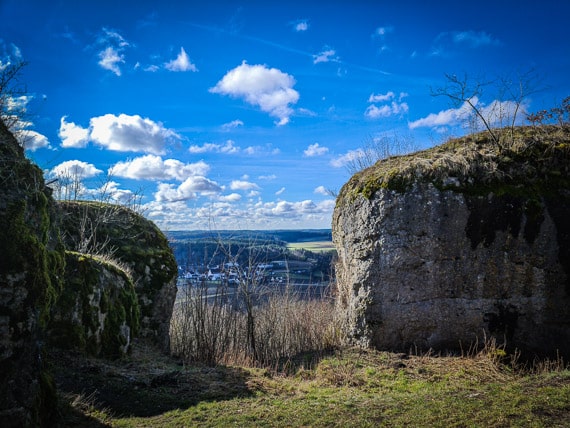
x=12 y=112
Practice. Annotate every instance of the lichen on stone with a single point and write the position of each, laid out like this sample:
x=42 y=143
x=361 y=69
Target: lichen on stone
x=446 y=238
x=98 y=310
x=139 y=246
x=31 y=272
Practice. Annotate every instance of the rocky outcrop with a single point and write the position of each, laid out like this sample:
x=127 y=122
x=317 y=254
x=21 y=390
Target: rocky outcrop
x=98 y=311
x=459 y=243
x=122 y=234
x=74 y=300
x=31 y=269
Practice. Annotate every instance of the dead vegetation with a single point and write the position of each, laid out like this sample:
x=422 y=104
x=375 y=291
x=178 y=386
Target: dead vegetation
x=532 y=158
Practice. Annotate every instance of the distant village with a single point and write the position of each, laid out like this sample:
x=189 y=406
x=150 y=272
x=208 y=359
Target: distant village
x=277 y=272
x=258 y=257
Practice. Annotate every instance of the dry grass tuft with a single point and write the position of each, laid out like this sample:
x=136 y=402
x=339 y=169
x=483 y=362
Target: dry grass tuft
x=472 y=162
x=215 y=329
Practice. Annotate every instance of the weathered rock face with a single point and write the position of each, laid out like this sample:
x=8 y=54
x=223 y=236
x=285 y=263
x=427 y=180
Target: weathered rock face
x=31 y=268
x=439 y=259
x=140 y=246
x=98 y=311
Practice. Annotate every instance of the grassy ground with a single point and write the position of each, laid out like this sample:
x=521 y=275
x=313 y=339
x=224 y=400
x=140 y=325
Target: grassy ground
x=314 y=246
x=348 y=388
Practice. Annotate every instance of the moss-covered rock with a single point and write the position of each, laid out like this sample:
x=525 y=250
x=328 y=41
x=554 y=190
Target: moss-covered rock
x=444 y=246
x=98 y=310
x=534 y=164
x=31 y=273
x=140 y=246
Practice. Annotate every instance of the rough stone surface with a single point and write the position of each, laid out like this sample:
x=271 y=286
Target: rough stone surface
x=80 y=300
x=137 y=244
x=441 y=268
x=31 y=265
x=98 y=311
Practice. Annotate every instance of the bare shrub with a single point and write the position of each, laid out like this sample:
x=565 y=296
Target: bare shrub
x=12 y=93
x=558 y=115
x=378 y=148
x=212 y=327
x=204 y=328
x=91 y=211
x=288 y=325
x=511 y=93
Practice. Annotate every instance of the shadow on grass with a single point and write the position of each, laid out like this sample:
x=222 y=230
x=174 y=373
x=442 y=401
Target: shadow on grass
x=132 y=389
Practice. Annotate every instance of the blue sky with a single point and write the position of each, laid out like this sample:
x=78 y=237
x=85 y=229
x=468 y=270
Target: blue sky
x=239 y=115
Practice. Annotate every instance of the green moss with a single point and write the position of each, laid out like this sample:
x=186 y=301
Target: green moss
x=136 y=243
x=118 y=304
x=397 y=182
x=112 y=340
x=123 y=312
x=104 y=304
x=30 y=251
x=24 y=249
x=536 y=162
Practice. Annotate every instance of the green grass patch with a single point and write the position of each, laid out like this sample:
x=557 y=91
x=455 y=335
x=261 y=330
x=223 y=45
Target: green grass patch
x=313 y=246
x=350 y=388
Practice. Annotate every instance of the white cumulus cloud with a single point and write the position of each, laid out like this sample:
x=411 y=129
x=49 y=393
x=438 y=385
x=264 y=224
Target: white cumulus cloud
x=321 y=190
x=187 y=190
x=152 y=167
x=379 y=98
x=243 y=185
x=347 y=158
x=72 y=135
x=396 y=107
x=393 y=109
x=449 y=117
x=125 y=133
x=315 y=150
x=181 y=63
x=251 y=214
x=232 y=197
x=116 y=194
x=15 y=107
x=496 y=114
x=75 y=168
x=228 y=148
x=32 y=140
x=17 y=104
x=296 y=209
x=268 y=88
